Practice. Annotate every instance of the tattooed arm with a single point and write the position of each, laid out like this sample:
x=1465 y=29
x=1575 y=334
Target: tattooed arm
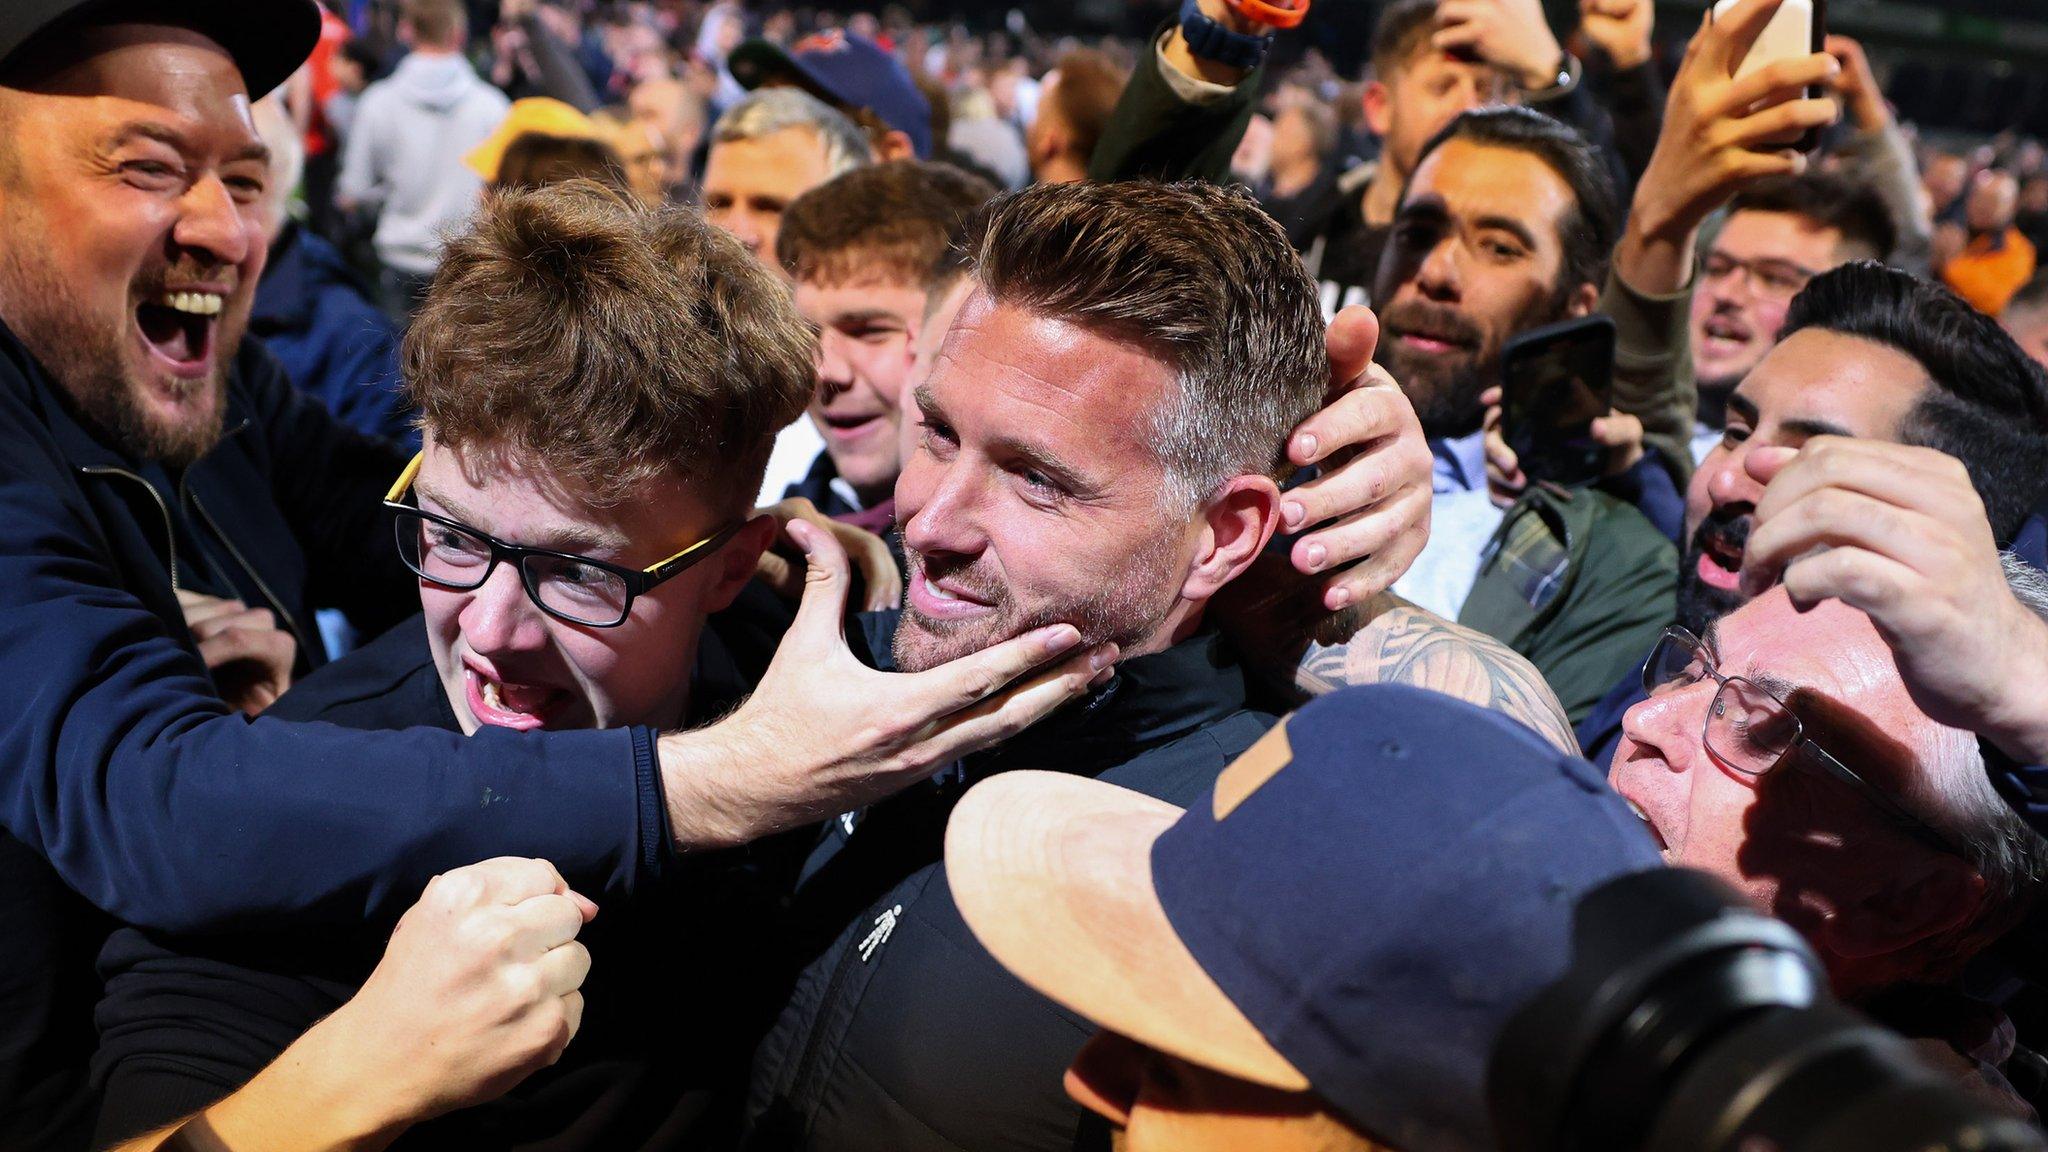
x=1302 y=651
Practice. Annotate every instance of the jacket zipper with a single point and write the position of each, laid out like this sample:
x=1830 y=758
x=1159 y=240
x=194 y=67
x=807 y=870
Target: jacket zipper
x=276 y=605
x=170 y=530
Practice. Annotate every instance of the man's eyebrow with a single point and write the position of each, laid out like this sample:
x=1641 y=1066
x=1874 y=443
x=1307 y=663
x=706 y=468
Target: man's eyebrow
x=564 y=539
x=1743 y=406
x=1042 y=460
x=1425 y=208
x=1511 y=226
x=1712 y=638
x=867 y=316
x=1775 y=684
x=1807 y=428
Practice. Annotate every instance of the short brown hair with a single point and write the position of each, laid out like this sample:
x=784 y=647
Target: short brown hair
x=890 y=222
x=1404 y=29
x=610 y=342
x=536 y=158
x=1089 y=88
x=437 y=22
x=1197 y=275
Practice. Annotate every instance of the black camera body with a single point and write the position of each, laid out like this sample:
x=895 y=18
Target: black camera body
x=1688 y=1022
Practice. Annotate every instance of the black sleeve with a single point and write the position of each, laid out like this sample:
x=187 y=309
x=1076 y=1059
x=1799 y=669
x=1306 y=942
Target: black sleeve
x=1156 y=135
x=329 y=480
x=1635 y=106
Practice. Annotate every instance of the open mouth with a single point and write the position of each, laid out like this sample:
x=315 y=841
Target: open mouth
x=179 y=329
x=1647 y=823
x=945 y=601
x=1720 y=563
x=501 y=703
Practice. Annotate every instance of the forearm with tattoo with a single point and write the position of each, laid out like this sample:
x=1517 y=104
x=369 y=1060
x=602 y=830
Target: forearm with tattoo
x=1390 y=641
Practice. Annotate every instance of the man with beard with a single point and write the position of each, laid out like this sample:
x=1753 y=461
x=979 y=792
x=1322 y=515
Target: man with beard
x=1778 y=235
x=1872 y=353
x=1507 y=225
x=1100 y=441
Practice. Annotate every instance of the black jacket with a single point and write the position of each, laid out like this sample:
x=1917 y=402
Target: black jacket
x=902 y=1032
x=122 y=771
x=658 y=1063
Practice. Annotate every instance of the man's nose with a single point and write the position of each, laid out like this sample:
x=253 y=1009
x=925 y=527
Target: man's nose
x=1728 y=482
x=835 y=368
x=1670 y=723
x=1438 y=277
x=209 y=221
x=940 y=505
x=500 y=618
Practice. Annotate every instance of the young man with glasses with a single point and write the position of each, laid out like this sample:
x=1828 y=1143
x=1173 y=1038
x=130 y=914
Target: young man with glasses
x=1779 y=234
x=1784 y=753
x=581 y=508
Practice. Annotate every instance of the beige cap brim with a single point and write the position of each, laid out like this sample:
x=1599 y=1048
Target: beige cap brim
x=1053 y=873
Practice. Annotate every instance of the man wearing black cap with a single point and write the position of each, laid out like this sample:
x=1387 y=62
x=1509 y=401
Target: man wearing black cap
x=147 y=453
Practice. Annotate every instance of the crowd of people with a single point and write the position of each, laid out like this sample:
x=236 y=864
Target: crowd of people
x=601 y=574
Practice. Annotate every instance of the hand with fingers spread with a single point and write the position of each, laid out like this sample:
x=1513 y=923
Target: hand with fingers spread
x=782 y=569
x=1619 y=28
x=1367 y=516
x=478 y=989
x=824 y=734
x=1511 y=35
x=1900 y=533
x=1620 y=433
x=1720 y=133
x=250 y=657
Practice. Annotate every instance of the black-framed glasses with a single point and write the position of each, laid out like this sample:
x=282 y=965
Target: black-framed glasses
x=1753 y=732
x=576 y=589
x=1779 y=279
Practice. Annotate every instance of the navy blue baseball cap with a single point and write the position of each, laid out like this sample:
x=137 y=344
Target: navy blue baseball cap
x=1369 y=894
x=267 y=39
x=846 y=71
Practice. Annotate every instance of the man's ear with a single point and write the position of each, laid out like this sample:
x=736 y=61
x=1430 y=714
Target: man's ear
x=738 y=561
x=894 y=145
x=1236 y=524
x=1584 y=299
x=1379 y=108
x=1909 y=901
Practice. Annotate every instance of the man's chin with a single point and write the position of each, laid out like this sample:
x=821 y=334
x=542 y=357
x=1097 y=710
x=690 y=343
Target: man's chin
x=923 y=642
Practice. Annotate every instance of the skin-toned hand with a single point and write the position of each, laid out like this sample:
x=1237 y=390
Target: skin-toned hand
x=825 y=734
x=1620 y=29
x=1719 y=135
x=1620 y=433
x=1900 y=533
x=478 y=989
x=780 y=567
x=1511 y=35
x=1857 y=85
x=1370 y=507
x=250 y=657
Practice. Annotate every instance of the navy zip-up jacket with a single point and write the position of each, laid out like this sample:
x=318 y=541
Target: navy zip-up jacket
x=121 y=767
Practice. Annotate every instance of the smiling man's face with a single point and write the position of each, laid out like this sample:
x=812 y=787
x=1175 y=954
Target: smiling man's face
x=1814 y=383
x=1474 y=257
x=132 y=185
x=1034 y=496
x=867 y=330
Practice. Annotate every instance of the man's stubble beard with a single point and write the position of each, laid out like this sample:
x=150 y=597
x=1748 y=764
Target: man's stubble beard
x=1126 y=612
x=90 y=365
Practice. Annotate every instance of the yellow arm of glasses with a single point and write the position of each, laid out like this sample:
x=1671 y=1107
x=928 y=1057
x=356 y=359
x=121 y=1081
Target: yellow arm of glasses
x=405 y=478
x=712 y=541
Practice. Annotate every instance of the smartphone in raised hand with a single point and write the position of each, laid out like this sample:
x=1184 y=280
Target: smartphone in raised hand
x=1799 y=28
x=1555 y=381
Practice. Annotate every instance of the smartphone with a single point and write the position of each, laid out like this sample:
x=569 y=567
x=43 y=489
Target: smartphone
x=1800 y=28
x=1555 y=381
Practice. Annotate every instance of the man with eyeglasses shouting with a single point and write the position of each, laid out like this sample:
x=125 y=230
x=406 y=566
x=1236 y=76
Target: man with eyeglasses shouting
x=1779 y=234
x=1784 y=753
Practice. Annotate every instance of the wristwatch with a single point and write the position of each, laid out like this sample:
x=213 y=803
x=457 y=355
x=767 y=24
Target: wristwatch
x=1212 y=41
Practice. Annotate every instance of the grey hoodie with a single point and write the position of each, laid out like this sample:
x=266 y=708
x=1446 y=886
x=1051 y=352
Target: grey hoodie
x=405 y=153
